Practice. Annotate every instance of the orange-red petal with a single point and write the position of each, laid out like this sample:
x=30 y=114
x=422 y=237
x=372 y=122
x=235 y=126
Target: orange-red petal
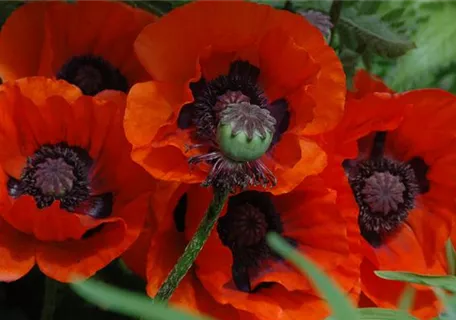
x=65 y=261
x=17 y=252
x=50 y=224
x=365 y=83
x=37 y=34
x=21 y=42
x=141 y=125
x=290 y=170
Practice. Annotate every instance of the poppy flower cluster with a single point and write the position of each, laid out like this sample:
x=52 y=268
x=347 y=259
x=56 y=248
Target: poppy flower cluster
x=118 y=127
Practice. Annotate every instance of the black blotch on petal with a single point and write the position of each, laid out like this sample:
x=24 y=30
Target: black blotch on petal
x=14 y=187
x=241 y=277
x=421 y=169
x=372 y=237
x=186 y=114
x=185 y=119
x=348 y=165
x=97 y=207
x=263 y=285
x=244 y=71
x=279 y=110
x=179 y=213
x=91 y=232
x=378 y=147
x=198 y=87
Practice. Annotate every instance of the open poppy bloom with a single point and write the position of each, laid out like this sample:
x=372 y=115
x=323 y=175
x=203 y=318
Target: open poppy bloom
x=237 y=93
x=87 y=43
x=71 y=200
x=398 y=151
x=237 y=275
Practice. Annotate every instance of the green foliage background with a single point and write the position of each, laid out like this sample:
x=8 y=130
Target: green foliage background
x=410 y=44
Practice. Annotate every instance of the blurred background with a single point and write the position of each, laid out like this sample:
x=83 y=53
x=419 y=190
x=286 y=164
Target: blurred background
x=410 y=44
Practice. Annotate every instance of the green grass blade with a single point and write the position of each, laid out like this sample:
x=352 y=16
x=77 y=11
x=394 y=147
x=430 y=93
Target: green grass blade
x=407 y=298
x=443 y=282
x=128 y=303
x=448 y=302
x=451 y=257
x=384 y=314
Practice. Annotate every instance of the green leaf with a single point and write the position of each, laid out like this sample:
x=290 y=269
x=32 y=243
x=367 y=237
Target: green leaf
x=349 y=59
x=443 y=282
x=384 y=314
x=435 y=50
x=447 y=80
x=367 y=60
x=6 y=8
x=407 y=298
x=273 y=3
x=375 y=34
x=128 y=303
x=369 y=7
x=320 y=5
x=451 y=257
x=179 y=3
x=340 y=304
x=158 y=8
x=394 y=15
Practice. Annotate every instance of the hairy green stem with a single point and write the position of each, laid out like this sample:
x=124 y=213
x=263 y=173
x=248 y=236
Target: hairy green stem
x=334 y=14
x=49 y=301
x=193 y=248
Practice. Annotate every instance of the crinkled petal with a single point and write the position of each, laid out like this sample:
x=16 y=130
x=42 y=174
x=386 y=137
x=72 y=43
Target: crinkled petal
x=17 y=252
x=68 y=260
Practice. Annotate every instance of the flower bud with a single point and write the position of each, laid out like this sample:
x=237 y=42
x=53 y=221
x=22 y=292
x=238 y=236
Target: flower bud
x=239 y=147
x=245 y=132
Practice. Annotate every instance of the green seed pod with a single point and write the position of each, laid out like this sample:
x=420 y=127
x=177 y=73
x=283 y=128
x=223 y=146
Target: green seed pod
x=238 y=147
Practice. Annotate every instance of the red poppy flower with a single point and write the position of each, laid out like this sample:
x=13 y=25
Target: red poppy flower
x=236 y=275
x=398 y=151
x=87 y=43
x=365 y=83
x=238 y=94
x=70 y=197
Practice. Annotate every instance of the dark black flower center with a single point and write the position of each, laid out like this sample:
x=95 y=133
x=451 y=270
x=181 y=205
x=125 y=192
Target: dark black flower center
x=250 y=216
x=60 y=173
x=92 y=74
x=232 y=116
x=248 y=226
x=385 y=190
